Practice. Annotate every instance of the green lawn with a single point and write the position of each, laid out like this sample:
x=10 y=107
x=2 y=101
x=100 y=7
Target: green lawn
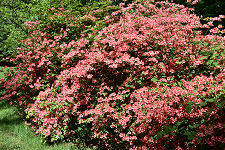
x=15 y=135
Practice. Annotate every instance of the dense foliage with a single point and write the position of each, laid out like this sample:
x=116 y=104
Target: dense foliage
x=137 y=75
x=206 y=9
x=11 y=28
x=13 y=14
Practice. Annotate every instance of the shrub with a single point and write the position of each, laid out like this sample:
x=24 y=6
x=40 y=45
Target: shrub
x=148 y=79
x=41 y=59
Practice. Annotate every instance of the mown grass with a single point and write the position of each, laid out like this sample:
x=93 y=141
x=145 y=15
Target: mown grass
x=15 y=135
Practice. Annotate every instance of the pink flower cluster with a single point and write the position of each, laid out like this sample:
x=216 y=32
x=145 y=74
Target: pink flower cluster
x=147 y=80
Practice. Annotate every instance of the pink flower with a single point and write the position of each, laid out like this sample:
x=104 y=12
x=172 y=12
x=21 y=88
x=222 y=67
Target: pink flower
x=37 y=85
x=178 y=148
x=89 y=76
x=122 y=135
x=194 y=2
x=61 y=8
x=47 y=132
x=220 y=26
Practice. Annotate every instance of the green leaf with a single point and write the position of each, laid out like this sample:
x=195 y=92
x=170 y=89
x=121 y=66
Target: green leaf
x=188 y=108
x=179 y=123
x=203 y=104
x=154 y=79
x=202 y=121
x=194 y=126
x=127 y=85
x=210 y=100
x=190 y=134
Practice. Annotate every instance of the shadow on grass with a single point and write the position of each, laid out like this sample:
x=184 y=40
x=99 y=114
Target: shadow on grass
x=15 y=135
x=7 y=114
x=4 y=104
x=10 y=121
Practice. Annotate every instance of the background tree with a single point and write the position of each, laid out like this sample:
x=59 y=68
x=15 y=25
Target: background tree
x=205 y=9
x=13 y=14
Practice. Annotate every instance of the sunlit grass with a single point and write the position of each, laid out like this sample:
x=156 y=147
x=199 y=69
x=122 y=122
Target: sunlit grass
x=14 y=134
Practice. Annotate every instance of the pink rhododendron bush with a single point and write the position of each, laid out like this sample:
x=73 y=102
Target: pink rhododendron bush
x=148 y=79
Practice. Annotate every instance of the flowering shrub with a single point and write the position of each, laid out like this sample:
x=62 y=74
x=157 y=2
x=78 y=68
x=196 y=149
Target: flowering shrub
x=148 y=79
x=41 y=60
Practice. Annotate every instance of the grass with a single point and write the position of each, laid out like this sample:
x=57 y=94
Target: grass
x=15 y=135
